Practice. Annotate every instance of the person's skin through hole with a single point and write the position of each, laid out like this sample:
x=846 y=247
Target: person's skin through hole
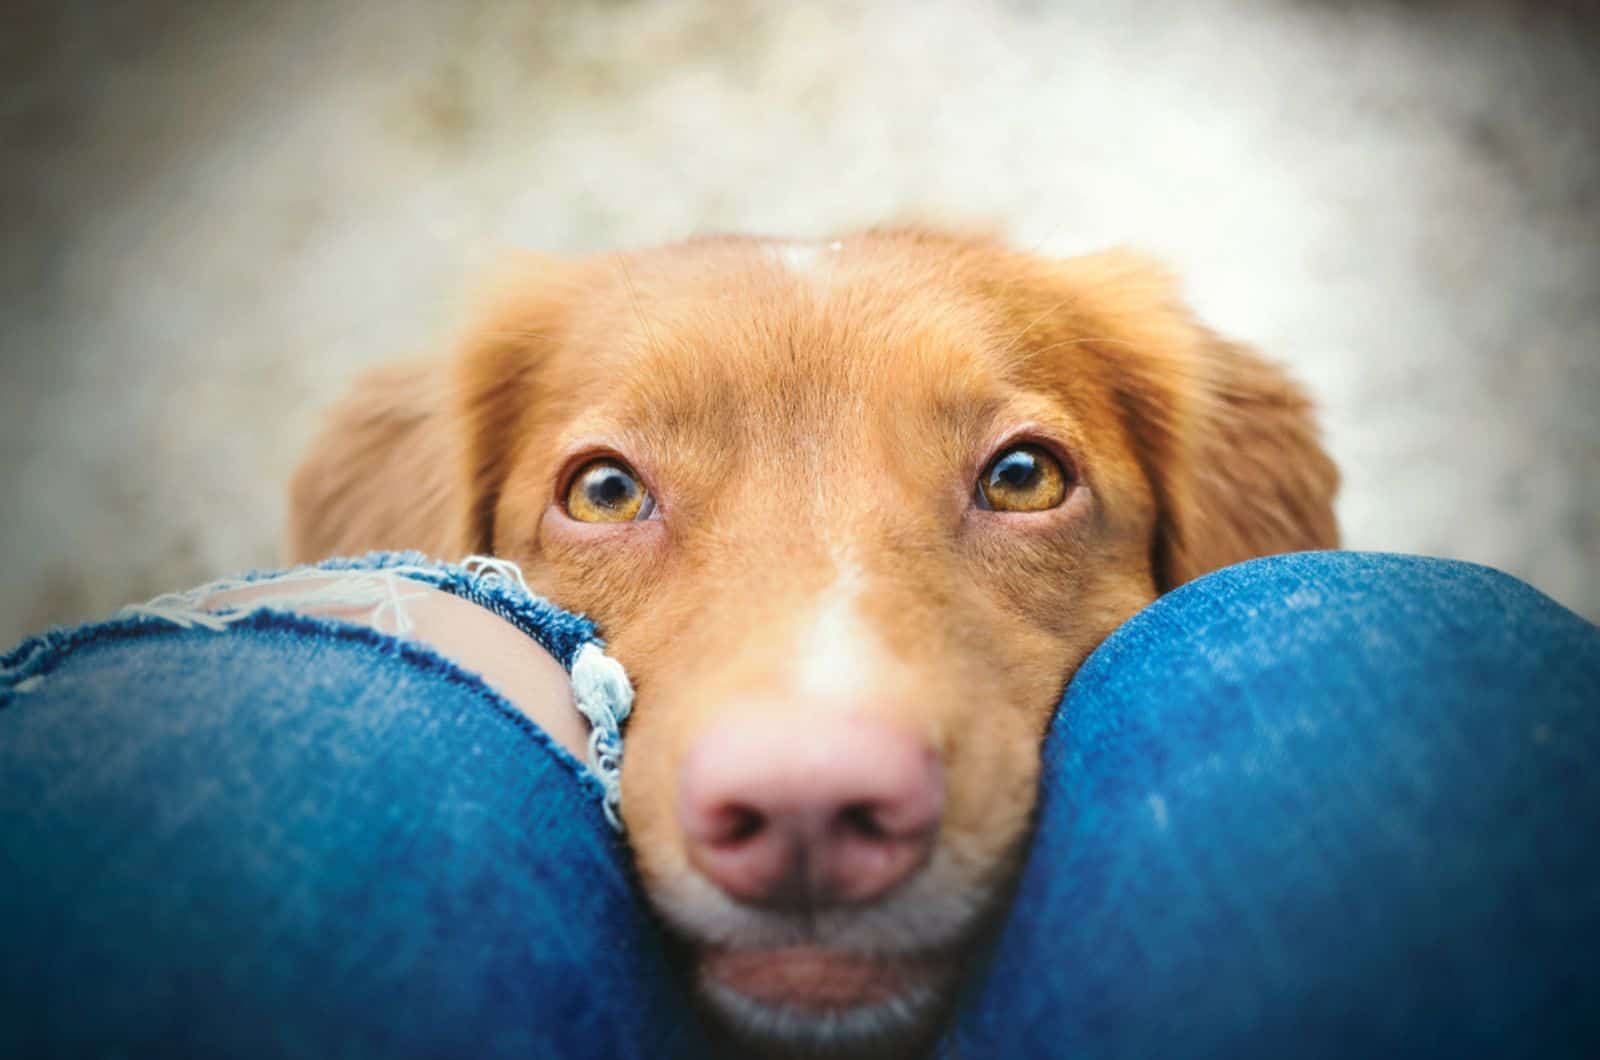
x=511 y=663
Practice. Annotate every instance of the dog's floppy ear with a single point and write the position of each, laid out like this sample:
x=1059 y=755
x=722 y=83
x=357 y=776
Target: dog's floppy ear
x=382 y=472
x=1227 y=440
x=1251 y=478
x=413 y=456
x=495 y=392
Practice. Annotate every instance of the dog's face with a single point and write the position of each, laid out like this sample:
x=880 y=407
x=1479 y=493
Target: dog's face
x=851 y=514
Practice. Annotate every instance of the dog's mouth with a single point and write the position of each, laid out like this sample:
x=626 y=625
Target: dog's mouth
x=820 y=998
x=831 y=980
x=815 y=979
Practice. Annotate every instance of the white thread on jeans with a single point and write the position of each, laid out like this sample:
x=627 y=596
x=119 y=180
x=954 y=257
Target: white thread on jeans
x=604 y=695
x=376 y=590
x=489 y=570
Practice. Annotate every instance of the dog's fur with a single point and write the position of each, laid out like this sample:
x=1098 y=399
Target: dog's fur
x=811 y=420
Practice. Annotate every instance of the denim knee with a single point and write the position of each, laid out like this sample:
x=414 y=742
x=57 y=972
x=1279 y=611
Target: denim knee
x=286 y=835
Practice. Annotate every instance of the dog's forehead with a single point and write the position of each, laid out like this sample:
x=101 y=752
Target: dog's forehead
x=780 y=330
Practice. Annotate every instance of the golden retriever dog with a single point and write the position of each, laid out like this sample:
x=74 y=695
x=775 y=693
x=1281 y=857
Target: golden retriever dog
x=850 y=512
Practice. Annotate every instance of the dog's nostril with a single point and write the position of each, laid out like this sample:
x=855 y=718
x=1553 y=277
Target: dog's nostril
x=739 y=824
x=861 y=819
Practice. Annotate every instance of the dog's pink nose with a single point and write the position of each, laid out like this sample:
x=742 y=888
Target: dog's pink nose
x=790 y=811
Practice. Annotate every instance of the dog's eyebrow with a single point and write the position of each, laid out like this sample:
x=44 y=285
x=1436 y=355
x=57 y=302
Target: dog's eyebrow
x=967 y=418
x=965 y=412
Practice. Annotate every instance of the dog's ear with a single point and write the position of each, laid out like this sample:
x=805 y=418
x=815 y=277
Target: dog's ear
x=1251 y=477
x=382 y=472
x=1227 y=440
x=413 y=456
x=495 y=391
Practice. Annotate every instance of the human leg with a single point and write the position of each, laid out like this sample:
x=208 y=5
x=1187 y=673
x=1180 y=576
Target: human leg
x=1330 y=804
x=297 y=836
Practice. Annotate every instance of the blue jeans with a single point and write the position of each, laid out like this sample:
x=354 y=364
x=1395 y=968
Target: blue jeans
x=1319 y=805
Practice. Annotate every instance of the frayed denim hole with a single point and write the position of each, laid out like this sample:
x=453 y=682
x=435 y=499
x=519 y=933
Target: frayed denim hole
x=601 y=689
x=270 y=622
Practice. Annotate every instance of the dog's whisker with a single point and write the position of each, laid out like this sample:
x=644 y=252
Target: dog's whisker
x=1016 y=340
x=638 y=309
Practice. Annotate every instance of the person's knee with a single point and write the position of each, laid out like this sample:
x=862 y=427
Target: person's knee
x=1350 y=574
x=1307 y=628
x=1305 y=596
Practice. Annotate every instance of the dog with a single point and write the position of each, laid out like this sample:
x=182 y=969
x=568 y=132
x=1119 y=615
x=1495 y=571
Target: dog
x=851 y=513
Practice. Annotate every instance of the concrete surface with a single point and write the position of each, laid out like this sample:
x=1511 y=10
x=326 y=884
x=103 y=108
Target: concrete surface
x=215 y=215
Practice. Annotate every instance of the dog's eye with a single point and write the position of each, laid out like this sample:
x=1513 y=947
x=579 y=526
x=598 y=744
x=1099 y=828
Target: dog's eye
x=606 y=491
x=1023 y=478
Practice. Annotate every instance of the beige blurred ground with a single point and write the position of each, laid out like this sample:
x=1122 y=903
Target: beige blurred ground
x=214 y=216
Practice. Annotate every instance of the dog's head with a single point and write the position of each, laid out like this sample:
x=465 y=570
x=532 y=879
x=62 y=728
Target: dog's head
x=851 y=513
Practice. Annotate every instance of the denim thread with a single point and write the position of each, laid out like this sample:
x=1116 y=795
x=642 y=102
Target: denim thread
x=604 y=695
x=375 y=590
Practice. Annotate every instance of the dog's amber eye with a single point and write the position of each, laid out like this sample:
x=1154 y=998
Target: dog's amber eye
x=606 y=491
x=1023 y=478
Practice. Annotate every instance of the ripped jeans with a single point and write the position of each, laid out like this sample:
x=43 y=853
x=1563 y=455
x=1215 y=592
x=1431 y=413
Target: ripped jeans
x=1328 y=804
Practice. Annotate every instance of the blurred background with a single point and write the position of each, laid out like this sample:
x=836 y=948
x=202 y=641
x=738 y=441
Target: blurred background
x=215 y=215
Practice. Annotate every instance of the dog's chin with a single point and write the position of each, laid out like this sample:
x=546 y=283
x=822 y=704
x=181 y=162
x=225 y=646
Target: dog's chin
x=815 y=1000
x=840 y=981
